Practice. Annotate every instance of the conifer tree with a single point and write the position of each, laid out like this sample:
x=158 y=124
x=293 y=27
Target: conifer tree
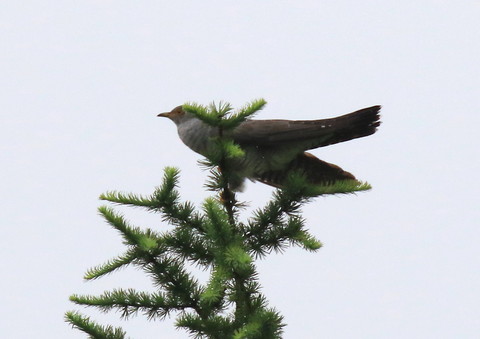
x=230 y=304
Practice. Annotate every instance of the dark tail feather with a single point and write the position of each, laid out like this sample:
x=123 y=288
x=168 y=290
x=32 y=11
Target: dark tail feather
x=354 y=125
x=316 y=171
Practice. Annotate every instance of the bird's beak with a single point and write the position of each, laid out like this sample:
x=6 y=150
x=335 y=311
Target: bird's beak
x=165 y=115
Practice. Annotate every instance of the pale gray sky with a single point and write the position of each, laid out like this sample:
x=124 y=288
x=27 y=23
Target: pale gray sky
x=81 y=83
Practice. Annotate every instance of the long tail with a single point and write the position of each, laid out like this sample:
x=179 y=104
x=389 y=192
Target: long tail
x=354 y=125
x=316 y=171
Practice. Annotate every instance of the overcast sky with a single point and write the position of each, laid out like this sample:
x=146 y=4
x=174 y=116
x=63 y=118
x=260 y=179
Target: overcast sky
x=82 y=82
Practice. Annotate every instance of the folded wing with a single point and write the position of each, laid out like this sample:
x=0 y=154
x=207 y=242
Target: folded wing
x=302 y=135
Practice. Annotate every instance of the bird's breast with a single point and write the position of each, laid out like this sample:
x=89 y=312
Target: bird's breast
x=196 y=135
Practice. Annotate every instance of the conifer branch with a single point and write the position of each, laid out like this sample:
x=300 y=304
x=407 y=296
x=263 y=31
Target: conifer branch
x=111 y=265
x=213 y=296
x=170 y=274
x=93 y=329
x=188 y=245
x=130 y=302
x=165 y=199
x=245 y=112
x=218 y=223
x=214 y=327
x=132 y=235
x=129 y=199
x=263 y=324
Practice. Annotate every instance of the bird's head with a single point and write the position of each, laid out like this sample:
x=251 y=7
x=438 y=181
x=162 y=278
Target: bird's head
x=176 y=115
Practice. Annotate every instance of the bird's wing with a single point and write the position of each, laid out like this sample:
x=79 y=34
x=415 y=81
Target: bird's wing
x=307 y=134
x=317 y=171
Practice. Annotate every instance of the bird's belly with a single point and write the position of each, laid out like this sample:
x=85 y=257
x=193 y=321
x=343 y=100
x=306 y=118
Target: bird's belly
x=258 y=161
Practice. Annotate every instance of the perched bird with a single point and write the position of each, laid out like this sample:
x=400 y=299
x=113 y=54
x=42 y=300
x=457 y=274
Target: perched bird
x=273 y=148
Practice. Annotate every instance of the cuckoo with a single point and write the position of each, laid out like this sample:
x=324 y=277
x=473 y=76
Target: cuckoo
x=274 y=148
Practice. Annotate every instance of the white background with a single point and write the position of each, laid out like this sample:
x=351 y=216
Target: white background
x=81 y=83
